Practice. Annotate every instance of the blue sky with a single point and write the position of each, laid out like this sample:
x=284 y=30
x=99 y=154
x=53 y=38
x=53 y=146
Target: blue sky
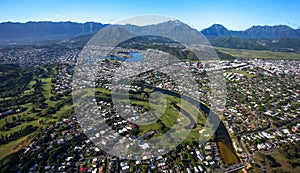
x=233 y=14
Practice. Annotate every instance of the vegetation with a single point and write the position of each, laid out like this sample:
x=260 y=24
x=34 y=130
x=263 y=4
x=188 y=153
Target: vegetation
x=286 y=159
x=170 y=115
x=26 y=105
x=264 y=54
x=159 y=43
x=279 y=45
x=236 y=43
x=286 y=45
x=224 y=56
x=292 y=154
x=167 y=45
x=13 y=80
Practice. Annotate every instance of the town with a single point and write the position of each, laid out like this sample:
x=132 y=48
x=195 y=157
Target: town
x=261 y=114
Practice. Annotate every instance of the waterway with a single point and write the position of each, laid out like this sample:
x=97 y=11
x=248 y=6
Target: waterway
x=222 y=137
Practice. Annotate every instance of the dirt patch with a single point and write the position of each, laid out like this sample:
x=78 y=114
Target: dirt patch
x=23 y=143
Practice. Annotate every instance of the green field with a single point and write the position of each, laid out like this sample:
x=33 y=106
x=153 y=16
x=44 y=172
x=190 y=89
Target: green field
x=30 y=87
x=241 y=72
x=39 y=117
x=262 y=54
x=15 y=146
x=285 y=166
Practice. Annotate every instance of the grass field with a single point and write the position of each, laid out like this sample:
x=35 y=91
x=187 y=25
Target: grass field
x=19 y=143
x=30 y=87
x=285 y=167
x=15 y=146
x=29 y=117
x=263 y=54
x=241 y=72
x=47 y=90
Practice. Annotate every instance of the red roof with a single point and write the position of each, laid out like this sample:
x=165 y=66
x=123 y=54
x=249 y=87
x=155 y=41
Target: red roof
x=132 y=125
x=82 y=169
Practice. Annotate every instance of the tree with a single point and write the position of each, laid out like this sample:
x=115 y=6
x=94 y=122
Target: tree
x=135 y=131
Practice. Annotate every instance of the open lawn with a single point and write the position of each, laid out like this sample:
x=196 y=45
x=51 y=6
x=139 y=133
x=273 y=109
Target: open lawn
x=29 y=117
x=264 y=54
x=242 y=72
x=285 y=166
x=47 y=90
x=32 y=119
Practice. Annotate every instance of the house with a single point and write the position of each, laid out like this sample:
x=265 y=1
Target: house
x=201 y=168
x=285 y=131
x=69 y=159
x=33 y=168
x=207 y=147
x=188 y=170
x=125 y=168
x=196 y=169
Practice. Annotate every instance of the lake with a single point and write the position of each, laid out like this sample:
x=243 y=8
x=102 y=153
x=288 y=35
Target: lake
x=134 y=57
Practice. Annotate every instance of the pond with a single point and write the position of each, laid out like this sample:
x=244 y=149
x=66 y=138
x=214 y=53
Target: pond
x=134 y=57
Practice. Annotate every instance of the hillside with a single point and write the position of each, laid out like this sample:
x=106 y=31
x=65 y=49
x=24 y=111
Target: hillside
x=38 y=31
x=237 y=43
x=286 y=44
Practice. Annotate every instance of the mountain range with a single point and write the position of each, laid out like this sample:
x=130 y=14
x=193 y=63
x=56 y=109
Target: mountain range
x=254 y=32
x=38 y=31
x=279 y=37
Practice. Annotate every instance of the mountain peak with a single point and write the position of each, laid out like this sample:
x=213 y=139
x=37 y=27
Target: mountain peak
x=218 y=26
x=173 y=29
x=216 y=30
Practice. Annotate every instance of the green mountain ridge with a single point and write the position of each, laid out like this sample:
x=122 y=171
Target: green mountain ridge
x=236 y=43
x=283 y=44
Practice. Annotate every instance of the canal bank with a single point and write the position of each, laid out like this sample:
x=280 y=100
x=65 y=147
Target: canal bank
x=227 y=151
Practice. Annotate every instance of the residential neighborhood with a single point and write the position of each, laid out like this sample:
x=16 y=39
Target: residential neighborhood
x=261 y=114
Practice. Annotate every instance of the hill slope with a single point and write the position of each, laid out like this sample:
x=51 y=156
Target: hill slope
x=236 y=43
x=38 y=31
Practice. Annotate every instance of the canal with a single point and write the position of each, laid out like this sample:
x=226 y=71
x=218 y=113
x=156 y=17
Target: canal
x=221 y=135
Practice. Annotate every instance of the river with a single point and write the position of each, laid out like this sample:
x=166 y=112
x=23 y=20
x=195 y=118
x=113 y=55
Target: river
x=222 y=137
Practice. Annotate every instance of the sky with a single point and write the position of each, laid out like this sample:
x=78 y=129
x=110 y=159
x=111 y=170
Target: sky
x=199 y=14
